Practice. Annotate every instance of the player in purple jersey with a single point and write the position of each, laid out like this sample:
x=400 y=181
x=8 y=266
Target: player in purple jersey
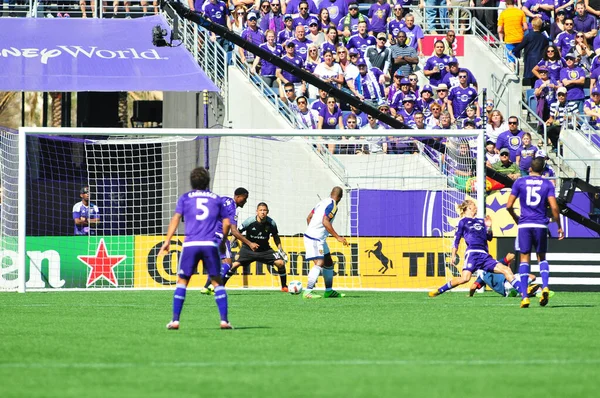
x=202 y=211
x=535 y=194
x=230 y=205
x=477 y=232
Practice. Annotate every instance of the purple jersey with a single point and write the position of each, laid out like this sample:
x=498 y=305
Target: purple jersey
x=452 y=80
x=585 y=24
x=395 y=26
x=554 y=68
x=296 y=61
x=216 y=12
x=368 y=85
x=352 y=24
x=302 y=48
x=545 y=14
x=304 y=21
x=591 y=105
x=361 y=43
x=575 y=92
x=267 y=68
x=568 y=10
x=318 y=105
x=413 y=36
x=337 y=9
x=527 y=154
x=284 y=36
x=461 y=98
x=228 y=211
x=548 y=93
x=533 y=192
x=202 y=211
x=379 y=13
x=440 y=63
x=292 y=7
x=511 y=141
x=565 y=41
x=330 y=119
x=474 y=231
x=253 y=36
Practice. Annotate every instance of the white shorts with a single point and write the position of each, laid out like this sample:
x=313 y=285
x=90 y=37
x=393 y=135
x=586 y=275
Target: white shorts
x=315 y=248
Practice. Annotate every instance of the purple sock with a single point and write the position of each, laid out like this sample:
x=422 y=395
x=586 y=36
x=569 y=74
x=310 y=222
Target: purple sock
x=178 y=299
x=445 y=288
x=544 y=273
x=524 y=272
x=224 y=269
x=221 y=300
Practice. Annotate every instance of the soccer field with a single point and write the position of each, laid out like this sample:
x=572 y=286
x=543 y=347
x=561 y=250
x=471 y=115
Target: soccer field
x=368 y=344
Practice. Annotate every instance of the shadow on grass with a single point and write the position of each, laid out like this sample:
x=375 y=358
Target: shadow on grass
x=573 y=306
x=250 y=327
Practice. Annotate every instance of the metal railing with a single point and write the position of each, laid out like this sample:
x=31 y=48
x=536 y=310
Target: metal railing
x=494 y=44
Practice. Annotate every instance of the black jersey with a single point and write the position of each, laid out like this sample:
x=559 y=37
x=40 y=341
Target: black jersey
x=258 y=232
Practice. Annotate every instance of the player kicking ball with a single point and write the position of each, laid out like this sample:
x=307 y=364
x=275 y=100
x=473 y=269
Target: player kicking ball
x=320 y=226
x=202 y=211
x=498 y=282
x=476 y=232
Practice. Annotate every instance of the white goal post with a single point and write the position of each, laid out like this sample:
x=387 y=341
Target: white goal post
x=398 y=210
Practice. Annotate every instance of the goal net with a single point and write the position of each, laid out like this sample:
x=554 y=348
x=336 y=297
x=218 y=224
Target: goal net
x=398 y=209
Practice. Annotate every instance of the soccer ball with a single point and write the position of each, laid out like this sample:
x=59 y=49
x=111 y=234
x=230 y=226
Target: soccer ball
x=295 y=287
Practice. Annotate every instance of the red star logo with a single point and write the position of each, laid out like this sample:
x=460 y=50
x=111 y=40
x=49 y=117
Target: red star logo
x=101 y=265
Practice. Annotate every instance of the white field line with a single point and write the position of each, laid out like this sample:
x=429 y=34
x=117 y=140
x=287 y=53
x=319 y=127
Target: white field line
x=339 y=362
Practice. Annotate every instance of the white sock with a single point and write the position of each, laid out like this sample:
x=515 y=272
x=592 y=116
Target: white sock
x=313 y=275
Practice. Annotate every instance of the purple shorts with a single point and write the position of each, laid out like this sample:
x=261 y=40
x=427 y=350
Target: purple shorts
x=476 y=260
x=532 y=239
x=191 y=255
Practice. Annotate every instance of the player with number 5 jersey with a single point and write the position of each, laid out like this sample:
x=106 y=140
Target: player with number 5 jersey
x=535 y=194
x=203 y=213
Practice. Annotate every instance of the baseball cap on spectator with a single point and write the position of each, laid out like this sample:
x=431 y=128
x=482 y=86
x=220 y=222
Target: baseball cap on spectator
x=408 y=98
x=384 y=105
x=427 y=88
x=298 y=98
x=290 y=43
x=472 y=106
x=542 y=68
x=561 y=90
x=504 y=151
x=252 y=15
x=490 y=143
x=571 y=56
x=595 y=90
x=353 y=6
x=404 y=80
x=353 y=51
x=398 y=73
x=84 y=190
x=469 y=122
x=313 y=21
x=287 y=16
x=452 y=60
x=360 y=62
x=442 y=86
x=381 y=35
x=541 y=154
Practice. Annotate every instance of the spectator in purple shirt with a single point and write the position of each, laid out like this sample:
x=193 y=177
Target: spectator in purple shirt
x=293 y=6
x=396 y=23
x=324 y=18
x=274 y=19
x=348 y=25
x=288 y=32
x=331 y=118
x=379 y=13
x=414 y=34
x=361 y=40
x=585 y=22
x=267 y=69
x=542 y=9
x=435 y=67
x=367 y=83
x=304 y=16
x=511 y=138
x=460 y=97
x=573 y=78
x=566 y=39
x=253 y=35
x=291 y=58
x=551 y=60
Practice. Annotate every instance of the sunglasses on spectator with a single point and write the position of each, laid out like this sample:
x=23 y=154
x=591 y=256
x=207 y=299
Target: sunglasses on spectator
x=412 y=79
x=369 y=117
x=512 y=122
x=462 y=77
x=504 y=154
x=265 y=6
x=312 y=50
x=568 y=24
x=398 y=9
x=382 y=39
x=561 y=94
x=275 y=5
x=301 y=102
x=351 y=121
x=240 y=12
x=579 y=36
x=331 y=102
x=489 y=104
x=289 y=90
x=550 y=51
x=451 y=34
x=303 y=8
x=442 y=91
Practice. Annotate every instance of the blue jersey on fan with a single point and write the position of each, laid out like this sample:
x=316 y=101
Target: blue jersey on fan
x=474 y=231
x=533 y=192
x=202 y=212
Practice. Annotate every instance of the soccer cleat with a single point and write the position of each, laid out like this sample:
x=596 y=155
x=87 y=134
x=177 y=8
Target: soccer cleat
x=310 y=295
x=532 y=289
x=209 y=291
x=284 y=289
x=173 y=325
x=434 y=293
x=525 y=303
x=545 y=297
x=333 y=294
x=226 y=325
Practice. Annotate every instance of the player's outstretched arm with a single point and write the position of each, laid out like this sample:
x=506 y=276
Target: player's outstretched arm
x=556 y=215
x=170 y=232
x=238 y=235
x=329 y=228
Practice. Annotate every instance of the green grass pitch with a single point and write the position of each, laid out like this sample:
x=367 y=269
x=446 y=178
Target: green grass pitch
x=368 y=344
